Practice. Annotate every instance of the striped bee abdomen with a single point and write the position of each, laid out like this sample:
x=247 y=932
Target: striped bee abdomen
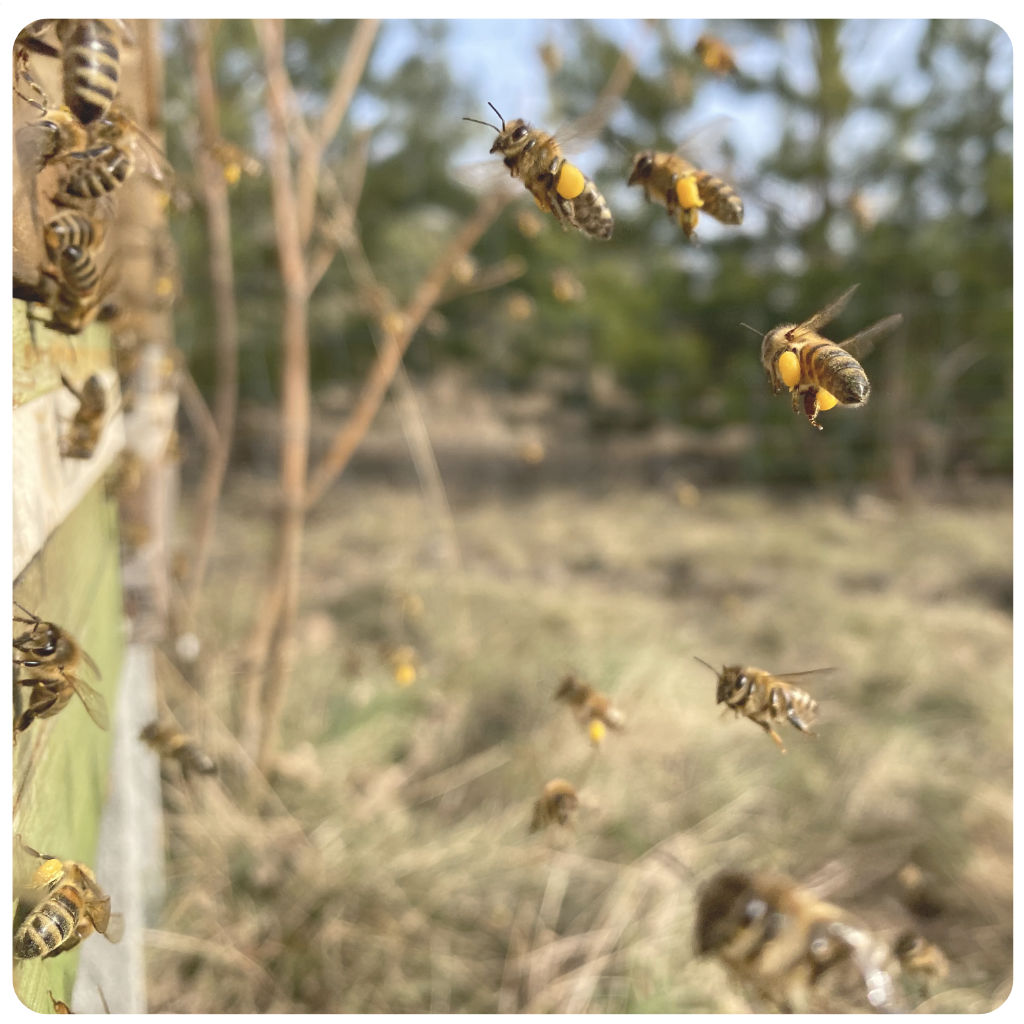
x=835 y=370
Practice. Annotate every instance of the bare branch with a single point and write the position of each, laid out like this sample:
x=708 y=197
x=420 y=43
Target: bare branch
x=398 y=329
x=345 y=84
x=261 y=712
x=396 y=335
x=222 y=280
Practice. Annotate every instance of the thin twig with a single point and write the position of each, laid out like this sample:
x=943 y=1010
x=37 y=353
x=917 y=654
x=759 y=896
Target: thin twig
x=395 y=340
x=262 y=716
x=338 y=102
x=225 y=311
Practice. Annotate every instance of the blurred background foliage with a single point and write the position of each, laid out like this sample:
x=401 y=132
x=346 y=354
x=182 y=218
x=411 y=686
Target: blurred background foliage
x=865 y=151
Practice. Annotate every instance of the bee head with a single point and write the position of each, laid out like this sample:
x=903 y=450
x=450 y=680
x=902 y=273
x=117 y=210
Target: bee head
x=732 y=683
x=720 y=899
x=642 y=165
x=567 y=688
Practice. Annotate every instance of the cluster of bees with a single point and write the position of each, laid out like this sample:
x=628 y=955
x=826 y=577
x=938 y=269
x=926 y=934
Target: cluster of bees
x=68 y=902
x=795 y=951
x=772 y=934
x=77 y=154
x=819 y=374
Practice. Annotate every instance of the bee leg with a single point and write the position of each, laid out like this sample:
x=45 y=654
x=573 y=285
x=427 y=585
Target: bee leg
x=774 y=735
x=810 y=403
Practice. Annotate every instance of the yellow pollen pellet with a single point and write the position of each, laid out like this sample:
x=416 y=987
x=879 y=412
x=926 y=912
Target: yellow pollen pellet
x=789 y=369
x=826 y=400
x=570 y=181
x=686 y=191
x=232 y=173
x=47 y=873
x=597 y=732
x=405 y=674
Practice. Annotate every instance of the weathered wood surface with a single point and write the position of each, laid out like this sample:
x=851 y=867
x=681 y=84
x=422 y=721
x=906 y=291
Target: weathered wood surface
x=60 y=763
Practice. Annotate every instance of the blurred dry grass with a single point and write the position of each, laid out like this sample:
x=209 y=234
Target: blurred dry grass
x=387 y=866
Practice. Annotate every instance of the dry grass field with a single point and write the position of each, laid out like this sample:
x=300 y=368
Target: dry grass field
x=388 y=864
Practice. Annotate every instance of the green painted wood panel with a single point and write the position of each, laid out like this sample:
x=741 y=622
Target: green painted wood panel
x=60 y=763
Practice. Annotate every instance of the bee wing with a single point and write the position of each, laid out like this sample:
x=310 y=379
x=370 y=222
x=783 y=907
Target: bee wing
x=830 y=312
x=92 y=664
x=863 y=341
x=869 y=957
x=94 y=701
x=152 y=159
x=788 y=677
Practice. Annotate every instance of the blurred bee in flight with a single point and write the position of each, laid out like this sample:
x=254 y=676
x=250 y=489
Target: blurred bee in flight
x=87 y=424
x=684 y=190
x=819 y=373
x=556 y=804
x=558 y=187
x=794 y=950
x=714 y=54
x=170 y=742
x=72 y=909
x=48 y=659
x=765 y=698
x=593 y=710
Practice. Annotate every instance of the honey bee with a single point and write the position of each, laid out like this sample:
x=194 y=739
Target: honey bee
x=71 y=285
x=94 y=171
x=558 y=187
x=49 y=662
x=763 y=697
x=920 y=959
x=169 y=741
x=684 y=190
x=557 y=803
x=820 y=374
x=590 y=707
x=714 y=54
x=90 y=65
x=235 y=161
x=795 y=950
x=87 y=424
x=73 y=908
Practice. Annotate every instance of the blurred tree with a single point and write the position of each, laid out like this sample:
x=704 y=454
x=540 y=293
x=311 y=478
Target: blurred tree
x=892 y=172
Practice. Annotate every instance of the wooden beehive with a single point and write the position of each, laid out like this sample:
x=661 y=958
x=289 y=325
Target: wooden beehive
x=76 y=539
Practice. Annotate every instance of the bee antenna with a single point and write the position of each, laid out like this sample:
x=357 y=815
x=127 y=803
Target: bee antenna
x=498 y=112
x=485 y=123
x=705 y=664
x=760 y=334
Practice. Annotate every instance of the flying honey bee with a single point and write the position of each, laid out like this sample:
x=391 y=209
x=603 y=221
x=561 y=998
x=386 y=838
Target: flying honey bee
x=557 y=803
x=593 y=710
x=714 y=54
x=820 y=374
x=763 y=697
x=73 y=908
x=684 y=190
x=87 y=424
x=169 y=741
x=794 y=950
x=49 y=661
x=558 y=187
